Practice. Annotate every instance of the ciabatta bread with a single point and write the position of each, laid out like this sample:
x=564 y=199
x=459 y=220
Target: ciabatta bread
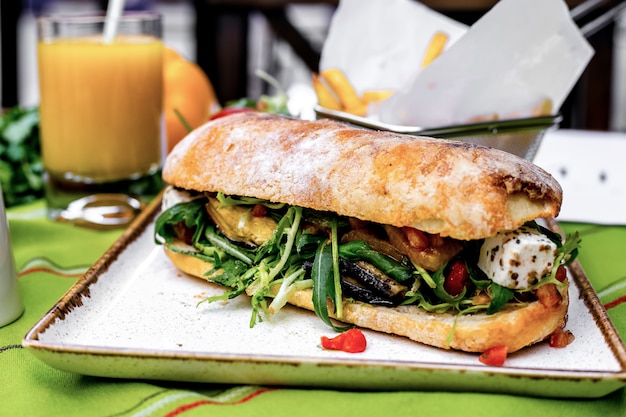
x=439 y=186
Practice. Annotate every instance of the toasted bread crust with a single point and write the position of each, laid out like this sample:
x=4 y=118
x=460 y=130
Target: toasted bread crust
x=440 y=186
x=513 y=327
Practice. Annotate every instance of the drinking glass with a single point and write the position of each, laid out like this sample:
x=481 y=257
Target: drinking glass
x=102 y=136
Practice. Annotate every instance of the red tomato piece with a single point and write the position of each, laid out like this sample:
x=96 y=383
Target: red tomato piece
x=494 y=356
x=258 y=210
x=548 y=295
x=457 y=278
x=351 y=341
x=227 y=111
x=561 y=274
x=561 y=338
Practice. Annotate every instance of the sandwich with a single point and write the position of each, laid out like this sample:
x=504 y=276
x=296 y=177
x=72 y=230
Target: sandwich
x=435 y=240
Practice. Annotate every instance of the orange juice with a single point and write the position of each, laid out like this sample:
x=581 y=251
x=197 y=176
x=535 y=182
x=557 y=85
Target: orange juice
x=101 y=107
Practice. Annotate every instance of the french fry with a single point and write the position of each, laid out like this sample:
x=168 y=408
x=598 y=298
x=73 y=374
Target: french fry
x=325 y=97
x=339 y=84
x=334 y=90
x=483 y=118
x=372 y=96
x=544 y=108
x=435 y=47
x=358 y=109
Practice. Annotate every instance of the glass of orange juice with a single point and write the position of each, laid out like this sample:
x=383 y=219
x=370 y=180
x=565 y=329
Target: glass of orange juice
x=101 y=113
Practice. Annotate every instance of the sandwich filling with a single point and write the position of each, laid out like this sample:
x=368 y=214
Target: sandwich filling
x=271 y=250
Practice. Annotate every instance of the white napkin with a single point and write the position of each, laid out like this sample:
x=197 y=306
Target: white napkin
x=590 y=167
x=380 y=44
x=517 y=55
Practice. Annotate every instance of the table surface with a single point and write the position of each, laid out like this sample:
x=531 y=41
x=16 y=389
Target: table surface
x=51 y=256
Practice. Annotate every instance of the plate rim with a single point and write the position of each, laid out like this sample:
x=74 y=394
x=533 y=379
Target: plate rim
x=72 y=299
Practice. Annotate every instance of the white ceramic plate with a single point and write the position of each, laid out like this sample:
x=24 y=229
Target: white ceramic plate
x=133 y=315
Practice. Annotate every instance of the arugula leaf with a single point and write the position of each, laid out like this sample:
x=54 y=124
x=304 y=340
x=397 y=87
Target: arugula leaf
x=477 y=277
x=274 y=259
x=191 y=213
x=334 y=241
x=273 y=244
x=286 y=249
x=244 y=102
x=224 y=244
x=426 y=277
x=232 y=273
x=210 y=258
x=292 y=282
x=270 y=104
x=326 y=284
x=359 y=250
x=569 y=251
x=441 y=292
x=499 y=296
x=229 y=201
x=273 y=104
x=307 y=243
x=417 y=298
x=323 y=282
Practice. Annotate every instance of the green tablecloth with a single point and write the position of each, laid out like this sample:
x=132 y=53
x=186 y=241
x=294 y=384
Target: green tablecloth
x=50 y=257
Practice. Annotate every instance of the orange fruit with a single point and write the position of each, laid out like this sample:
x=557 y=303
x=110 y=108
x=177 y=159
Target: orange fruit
x=188 y=90
x=170 y=54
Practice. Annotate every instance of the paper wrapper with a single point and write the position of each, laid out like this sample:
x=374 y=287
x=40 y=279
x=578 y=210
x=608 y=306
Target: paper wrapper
x=519 y=56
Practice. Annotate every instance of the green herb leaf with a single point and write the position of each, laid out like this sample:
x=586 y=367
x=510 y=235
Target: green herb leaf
x=225 y=245
x=499 y=297
x=191 y=213
x=21 y=169
x=242 y=103
x=359 y=250
x=441 y=292
x=477 y=277
x=273 y=104
x=425 y=276
x=307 y=244
x=291 y=283
x=420 y=301
x=334 y=241
x=323 y=282
x=569 y=251
x=229 y=201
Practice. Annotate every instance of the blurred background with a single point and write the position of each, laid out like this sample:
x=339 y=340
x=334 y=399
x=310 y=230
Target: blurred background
x=230 y=39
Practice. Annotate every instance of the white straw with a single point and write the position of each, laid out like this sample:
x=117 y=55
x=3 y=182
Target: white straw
x=114 y=12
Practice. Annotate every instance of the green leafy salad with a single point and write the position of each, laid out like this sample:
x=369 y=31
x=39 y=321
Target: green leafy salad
x=269 y=251
x=21 y=168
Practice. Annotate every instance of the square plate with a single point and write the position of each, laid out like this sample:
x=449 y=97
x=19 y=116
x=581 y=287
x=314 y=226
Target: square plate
x=134 y=315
